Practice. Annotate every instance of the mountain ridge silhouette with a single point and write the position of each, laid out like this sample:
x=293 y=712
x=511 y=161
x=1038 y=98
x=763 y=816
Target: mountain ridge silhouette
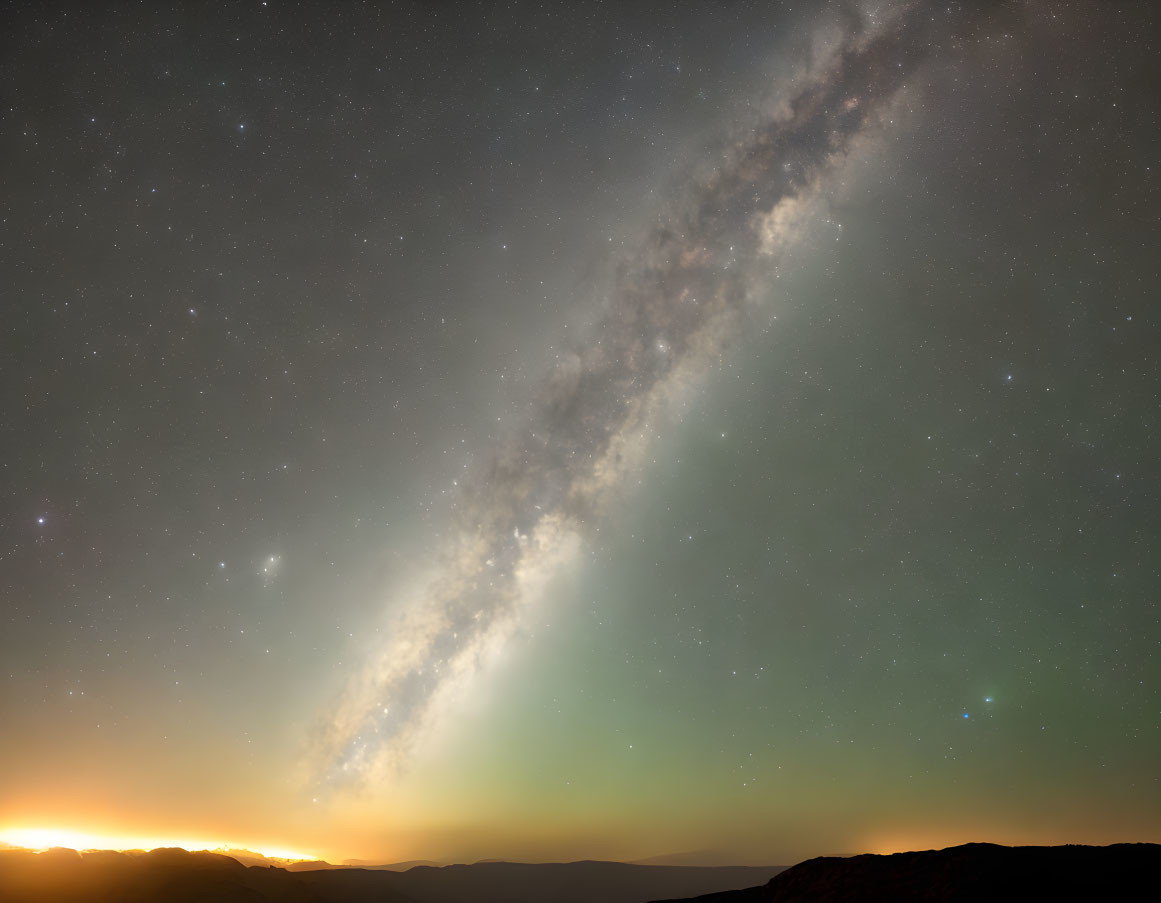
x=179 y=876
x=961 y=874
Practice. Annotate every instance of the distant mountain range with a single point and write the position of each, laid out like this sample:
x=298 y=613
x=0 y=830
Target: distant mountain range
x=965 y=874
x=972 y=872
x=178 y=876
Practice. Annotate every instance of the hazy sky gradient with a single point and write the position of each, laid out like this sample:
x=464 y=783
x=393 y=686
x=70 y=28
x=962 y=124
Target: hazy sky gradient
x=314 y=311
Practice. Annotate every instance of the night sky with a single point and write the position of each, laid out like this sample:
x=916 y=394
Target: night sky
x=582 y=430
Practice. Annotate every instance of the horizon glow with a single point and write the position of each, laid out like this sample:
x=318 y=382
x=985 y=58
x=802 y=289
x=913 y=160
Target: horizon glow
x=40 y=839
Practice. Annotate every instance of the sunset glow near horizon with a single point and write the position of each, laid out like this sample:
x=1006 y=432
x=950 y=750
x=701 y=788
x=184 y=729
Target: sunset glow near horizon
x=41 y=839
x=581 y=431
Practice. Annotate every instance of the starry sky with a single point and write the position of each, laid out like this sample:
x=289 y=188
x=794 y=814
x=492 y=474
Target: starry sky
x=558 y=431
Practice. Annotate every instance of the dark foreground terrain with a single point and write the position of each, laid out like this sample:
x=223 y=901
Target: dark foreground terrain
x=176 y=876
x=973 y=872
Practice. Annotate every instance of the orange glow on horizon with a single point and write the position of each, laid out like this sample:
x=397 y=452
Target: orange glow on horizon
x=886 y=846
x=936 y=839
x=46 y=838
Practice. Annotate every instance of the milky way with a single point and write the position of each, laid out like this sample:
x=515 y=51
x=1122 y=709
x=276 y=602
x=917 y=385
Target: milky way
x=466 y=431
x=673 y=304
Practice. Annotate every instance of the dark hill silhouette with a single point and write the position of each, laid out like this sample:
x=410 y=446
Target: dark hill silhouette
x=65 y=876
x=177 y=876
x=972 y=872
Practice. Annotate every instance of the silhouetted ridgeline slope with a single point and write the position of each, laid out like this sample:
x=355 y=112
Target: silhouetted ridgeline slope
x=175 y=876
x=973 y=872
x=171 y=875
